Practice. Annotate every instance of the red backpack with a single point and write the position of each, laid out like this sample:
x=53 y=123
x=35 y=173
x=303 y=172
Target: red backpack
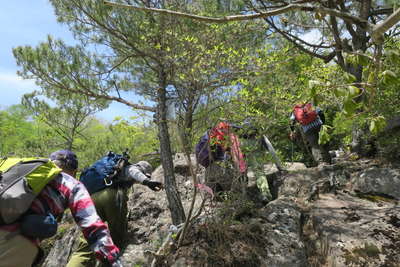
x=305 y=113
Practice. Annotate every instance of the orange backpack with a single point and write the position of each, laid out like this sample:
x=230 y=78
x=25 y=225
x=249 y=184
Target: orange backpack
x=305 y=113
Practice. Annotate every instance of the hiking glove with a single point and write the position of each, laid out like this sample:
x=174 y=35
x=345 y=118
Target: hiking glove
x=153 y=185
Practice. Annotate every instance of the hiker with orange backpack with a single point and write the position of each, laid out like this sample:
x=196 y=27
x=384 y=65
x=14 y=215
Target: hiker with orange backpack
x=310 y=120
x=55 y=189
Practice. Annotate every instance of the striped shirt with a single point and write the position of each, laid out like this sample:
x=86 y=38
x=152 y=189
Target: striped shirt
x=66 y=192
x=312 y=125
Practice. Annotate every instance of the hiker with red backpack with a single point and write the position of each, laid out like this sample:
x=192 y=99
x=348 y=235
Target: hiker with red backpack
x=311 y=120
x=19 y=240
x=228 y=159
x=218 y=150
x=108 y=181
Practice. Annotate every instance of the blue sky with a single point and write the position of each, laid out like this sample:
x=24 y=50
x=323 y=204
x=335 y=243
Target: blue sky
x=28 y=22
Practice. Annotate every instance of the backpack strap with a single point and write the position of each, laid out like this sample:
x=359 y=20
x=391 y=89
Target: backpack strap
x=119 y=166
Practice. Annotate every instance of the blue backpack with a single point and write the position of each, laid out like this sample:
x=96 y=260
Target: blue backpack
x=103 y=172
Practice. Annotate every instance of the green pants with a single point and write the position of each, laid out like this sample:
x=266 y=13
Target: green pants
x=262 y=185
x=111 y=206
x=257 y=167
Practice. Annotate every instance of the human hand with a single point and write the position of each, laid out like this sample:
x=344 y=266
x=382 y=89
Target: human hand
x=292 y=136
x=153 y=185
x=116 y=263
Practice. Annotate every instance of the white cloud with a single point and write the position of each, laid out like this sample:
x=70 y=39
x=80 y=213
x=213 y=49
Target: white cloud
x=12 y=88
x=14 y=82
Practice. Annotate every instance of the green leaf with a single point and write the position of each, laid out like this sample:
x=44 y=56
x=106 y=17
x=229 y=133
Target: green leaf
x=392 y=54
x=324 y=136
x=363 y=60
x=389 y=77
x=339 y=91
x=349 y=106
x=353 y=90
x=377 y=124
x=349 y=78
x=372 y=127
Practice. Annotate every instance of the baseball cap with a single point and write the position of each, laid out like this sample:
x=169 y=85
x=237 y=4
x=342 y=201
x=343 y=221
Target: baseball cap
x=65 y=159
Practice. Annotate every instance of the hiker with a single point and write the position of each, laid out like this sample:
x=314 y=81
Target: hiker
x=111 y=197
x=219 y=151
x=254 y=149
x=19 y=241
x=311 y=121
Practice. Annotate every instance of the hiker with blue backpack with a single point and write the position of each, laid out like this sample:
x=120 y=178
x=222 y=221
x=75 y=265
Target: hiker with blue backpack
x=310 y=120
x=108 y=181
x=33 y=193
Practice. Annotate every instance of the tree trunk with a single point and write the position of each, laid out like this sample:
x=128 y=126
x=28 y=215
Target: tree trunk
x=174 y=200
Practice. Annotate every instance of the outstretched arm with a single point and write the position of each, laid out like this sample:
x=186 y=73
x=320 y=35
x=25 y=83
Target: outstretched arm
x=133 y=172
x=84 y=213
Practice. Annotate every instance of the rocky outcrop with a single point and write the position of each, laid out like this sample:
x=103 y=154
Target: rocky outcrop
x=338 y=227
x=344 y=214
x=283 y=227
x=63 y=246
x=343 y=230
x=378 y=181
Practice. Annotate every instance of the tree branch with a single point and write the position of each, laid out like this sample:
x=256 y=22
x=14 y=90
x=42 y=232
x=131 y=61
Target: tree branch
x=278 y=11
x=381 y=28
x=111 y=98
x=383 y=11
x=325 y=58
x=336 y=36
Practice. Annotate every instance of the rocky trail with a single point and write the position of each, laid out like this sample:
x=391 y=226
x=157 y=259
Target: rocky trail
x=345 y=214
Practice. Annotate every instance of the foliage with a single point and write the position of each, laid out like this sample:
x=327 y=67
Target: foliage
x=20 y=135
x=25 y=135
x=239 y=72
x=66 y=118
x=121 y=134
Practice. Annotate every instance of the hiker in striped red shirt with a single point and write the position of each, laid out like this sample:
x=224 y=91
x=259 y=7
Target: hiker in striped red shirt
x=61 y=193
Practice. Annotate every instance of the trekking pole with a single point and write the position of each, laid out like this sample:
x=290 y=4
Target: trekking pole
x=292 y=151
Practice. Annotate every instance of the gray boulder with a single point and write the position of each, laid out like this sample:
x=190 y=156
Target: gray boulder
x=379 y=181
